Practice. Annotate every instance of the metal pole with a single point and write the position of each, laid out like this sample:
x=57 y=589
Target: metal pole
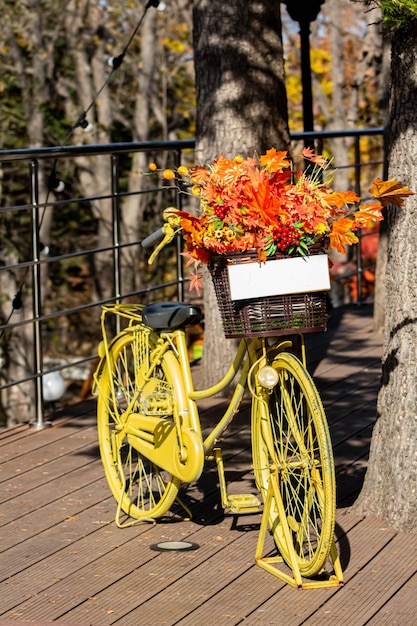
x=359 y=268
x=180 y=264
x=116 y=231
x=308 y=117
x=304 y=12
x=36 y=298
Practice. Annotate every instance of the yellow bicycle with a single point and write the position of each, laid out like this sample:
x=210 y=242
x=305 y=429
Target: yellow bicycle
x=151 y=440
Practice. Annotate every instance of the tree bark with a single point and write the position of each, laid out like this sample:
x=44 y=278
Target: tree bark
x=241 y=108
x=391 y=481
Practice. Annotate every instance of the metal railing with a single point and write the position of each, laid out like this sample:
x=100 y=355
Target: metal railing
x=30 y=166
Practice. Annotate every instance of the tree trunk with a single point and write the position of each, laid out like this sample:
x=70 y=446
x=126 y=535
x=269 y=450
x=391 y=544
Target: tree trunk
x=391 y=481
x=18 y=400
x=241 y=108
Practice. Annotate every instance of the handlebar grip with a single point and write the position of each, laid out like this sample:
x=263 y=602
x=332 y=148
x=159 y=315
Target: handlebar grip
x=153 y=238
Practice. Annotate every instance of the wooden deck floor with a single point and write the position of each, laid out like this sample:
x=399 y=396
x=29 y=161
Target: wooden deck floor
x=62 y=558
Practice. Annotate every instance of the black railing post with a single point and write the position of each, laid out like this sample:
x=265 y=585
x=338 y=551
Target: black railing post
x=359 y=268
x=36 y=295
x=117 y=287
x=180 y=264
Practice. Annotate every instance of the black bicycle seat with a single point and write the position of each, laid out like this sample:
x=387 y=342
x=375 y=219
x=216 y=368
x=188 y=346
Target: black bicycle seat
x=170 y=315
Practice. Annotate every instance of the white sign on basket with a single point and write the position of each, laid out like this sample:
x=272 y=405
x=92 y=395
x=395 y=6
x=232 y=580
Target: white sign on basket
x=279 y=276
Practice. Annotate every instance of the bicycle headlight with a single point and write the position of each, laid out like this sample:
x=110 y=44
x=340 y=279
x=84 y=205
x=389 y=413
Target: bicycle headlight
x=268 y=376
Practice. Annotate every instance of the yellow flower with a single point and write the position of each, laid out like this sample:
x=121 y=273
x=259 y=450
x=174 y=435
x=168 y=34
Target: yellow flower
x=238 y=159
x=321 y=228
x=169 y=175
x=195 y=190
x=153 y=167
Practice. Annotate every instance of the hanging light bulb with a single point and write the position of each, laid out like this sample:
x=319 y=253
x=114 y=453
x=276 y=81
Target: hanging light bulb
x=17 y=302
x=84 y=123
x=86 y=126
x=115 y=62
x=43 y=248
x=55 y=184
x=60 y=186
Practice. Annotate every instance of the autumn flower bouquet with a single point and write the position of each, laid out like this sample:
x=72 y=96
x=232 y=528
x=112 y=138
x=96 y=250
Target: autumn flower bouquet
x=254 y=215
x=261 y=203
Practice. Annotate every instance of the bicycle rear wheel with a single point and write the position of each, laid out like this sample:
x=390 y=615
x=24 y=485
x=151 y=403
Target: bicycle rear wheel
x=291 y=441
x=141 y=488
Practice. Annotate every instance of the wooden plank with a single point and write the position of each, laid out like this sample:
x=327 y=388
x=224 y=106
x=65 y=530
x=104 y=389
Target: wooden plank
x=37 y=442
x=42 y=562
x=14 y=432
x=400 y=607
x=246 y=596
x=374 y=584
x=43 y=505
x=46 y=530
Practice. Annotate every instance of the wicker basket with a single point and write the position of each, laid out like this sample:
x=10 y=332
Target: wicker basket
x=265 y=316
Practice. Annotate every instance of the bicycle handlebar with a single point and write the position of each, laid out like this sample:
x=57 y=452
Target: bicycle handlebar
x=155 y=237
x=165 y=234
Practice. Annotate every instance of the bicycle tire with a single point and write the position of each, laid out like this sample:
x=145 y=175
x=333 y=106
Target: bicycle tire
x=140 y=487
x=290 y=438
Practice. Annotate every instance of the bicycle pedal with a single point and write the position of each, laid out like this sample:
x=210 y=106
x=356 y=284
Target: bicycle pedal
x=244 y=503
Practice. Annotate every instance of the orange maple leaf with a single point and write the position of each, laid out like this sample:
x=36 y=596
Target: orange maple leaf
x=196 y=282
x=342 y=235
x=339 y=198
x=309 y=154
x=275 y=161
x=389 y=191
x=367 y=214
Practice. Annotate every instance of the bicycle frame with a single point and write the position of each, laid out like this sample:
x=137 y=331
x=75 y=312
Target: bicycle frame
x=242 y=361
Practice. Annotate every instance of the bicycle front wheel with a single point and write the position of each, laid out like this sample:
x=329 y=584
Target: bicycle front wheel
x=141 y=488
x=291 y=442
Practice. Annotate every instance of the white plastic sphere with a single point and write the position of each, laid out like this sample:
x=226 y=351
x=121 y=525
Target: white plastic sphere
x=53 y=386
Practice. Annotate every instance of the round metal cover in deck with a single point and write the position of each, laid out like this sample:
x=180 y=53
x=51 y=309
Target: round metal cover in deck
x=174 y=546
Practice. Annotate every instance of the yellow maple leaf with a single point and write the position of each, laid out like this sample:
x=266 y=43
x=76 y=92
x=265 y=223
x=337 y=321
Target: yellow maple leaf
x=389 y=191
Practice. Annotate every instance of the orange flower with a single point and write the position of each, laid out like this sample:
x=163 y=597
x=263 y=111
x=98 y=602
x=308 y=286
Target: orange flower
x=182 y=170
x=169 y=175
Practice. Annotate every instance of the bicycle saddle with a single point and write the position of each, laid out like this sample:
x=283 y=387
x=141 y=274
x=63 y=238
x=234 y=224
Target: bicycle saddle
x=170 y=315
